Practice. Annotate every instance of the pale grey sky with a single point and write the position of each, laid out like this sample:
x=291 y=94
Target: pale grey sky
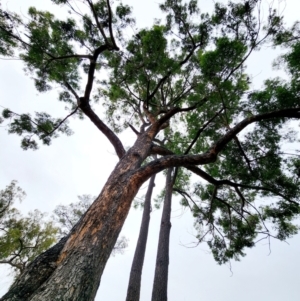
x=70 y=167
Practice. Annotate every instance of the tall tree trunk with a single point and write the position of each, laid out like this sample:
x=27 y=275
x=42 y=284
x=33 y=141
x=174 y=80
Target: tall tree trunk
x=160 y=284
x=71 y=270
x=134 y=285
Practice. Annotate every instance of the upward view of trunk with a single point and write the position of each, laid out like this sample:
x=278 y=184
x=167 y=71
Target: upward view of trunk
x=160 y=284
x=72 y=269
x=134 y=285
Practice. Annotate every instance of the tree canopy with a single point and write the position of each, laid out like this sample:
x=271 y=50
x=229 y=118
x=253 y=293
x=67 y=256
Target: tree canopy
x=182 y=87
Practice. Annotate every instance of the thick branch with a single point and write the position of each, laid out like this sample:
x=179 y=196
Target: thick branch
x=134 y=129
x=92 y=68
x=110 y=135
x=196 y=170
x=100 y=27
x=285 y=113
x=211 y=155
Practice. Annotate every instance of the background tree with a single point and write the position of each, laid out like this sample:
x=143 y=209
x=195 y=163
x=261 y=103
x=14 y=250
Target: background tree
x=134 y=284
x=22 y=238
x=160 y=283
x=185 y=77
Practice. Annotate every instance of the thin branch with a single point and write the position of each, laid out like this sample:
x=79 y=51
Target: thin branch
x=236 y=211
x=15 y=37
x=110 y=25
x=134 y=129
x=259 y=214
x=236 y=139
x=55 y=128
x=184 y=194
x=69 y=87
x=99 y=26
x=78 y=56
x=61 y=122
x=177 y=110
x=15 y=265
x=168 y=74
x=201 y=130
x=74 y=10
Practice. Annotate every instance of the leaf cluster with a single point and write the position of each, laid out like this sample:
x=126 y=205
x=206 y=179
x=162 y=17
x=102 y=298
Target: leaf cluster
x=22 y=238
x=43 y=127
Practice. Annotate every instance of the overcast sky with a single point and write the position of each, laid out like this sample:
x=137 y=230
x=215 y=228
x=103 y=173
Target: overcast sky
x=81 y=163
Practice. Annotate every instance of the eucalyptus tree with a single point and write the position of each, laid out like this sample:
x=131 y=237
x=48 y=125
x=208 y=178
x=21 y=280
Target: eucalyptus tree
x=135 y=277
x=181 y=87
x=160 y=283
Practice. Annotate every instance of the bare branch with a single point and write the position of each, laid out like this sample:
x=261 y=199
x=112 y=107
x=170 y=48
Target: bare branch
x=77 y=56
x=110 y=25
x=61 y=122
x=100 y=27
x=92 y=68
x=110 y=135
x=134 y=129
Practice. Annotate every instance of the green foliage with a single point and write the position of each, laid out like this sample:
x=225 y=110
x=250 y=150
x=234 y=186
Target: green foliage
x=22 y=238
x=281 y=215
x=8 y=21
x=48 y=46
x=42 y=126
x=195 y=63
x=220 y=62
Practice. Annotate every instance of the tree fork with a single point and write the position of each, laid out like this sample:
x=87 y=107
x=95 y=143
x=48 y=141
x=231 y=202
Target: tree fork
x=67 y=267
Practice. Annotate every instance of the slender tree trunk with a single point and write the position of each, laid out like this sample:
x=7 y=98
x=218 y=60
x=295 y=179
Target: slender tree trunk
x=134 y=285
x=160 y=285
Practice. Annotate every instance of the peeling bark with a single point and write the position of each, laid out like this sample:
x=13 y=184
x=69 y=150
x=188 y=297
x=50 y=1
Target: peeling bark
x=72 y=269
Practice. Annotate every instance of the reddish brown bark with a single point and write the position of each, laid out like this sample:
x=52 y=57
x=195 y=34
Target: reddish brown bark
x=72 y=269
